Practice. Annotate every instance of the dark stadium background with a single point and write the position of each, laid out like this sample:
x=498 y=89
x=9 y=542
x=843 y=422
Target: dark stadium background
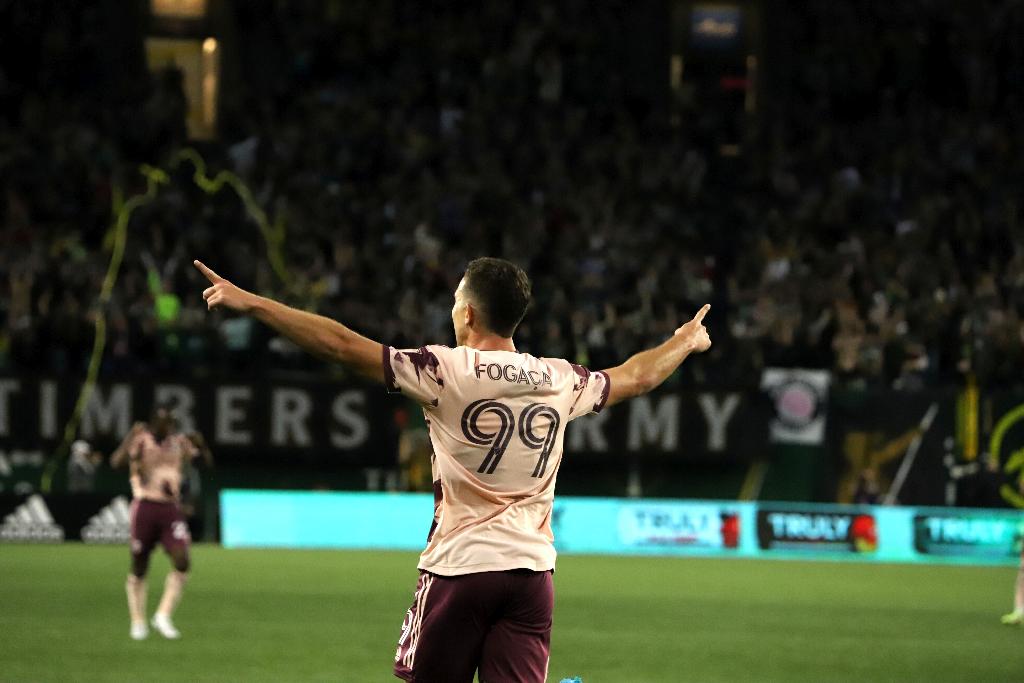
x=841 y=181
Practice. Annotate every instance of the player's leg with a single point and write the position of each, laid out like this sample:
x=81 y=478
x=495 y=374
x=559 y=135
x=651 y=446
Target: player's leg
x=444 y=629
x=175 y=538
x=1016 y=617
x=135 y=588
x=518 y=646
x=143 y=539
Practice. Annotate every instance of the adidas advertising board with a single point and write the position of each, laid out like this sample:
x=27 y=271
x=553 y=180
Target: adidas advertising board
x=40 y=518
x=31 y=521
x=112 y=524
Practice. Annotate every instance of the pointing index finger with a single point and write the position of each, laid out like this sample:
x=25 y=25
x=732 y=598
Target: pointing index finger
x=702 y=312
x=210 y=275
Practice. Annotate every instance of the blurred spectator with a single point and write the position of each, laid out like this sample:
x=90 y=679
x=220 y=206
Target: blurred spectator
x=981 y=488
x=867 y=491
x=82 y=465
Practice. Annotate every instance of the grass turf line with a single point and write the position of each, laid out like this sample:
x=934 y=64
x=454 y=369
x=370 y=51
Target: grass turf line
x=272 y=615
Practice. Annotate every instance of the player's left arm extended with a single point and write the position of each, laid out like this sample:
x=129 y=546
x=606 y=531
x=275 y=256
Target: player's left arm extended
x=316 y=334
x=646 y=370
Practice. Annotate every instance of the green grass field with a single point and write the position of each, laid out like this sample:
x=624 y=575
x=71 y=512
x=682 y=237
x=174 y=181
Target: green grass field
x=259 y=615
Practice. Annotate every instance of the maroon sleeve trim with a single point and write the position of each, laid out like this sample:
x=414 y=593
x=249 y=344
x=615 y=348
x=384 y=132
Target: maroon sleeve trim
x=390 y=385
x=604 y=392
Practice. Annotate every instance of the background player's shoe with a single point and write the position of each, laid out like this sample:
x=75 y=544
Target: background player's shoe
x=139 y=630
x=1014 y=618
x=162 y=623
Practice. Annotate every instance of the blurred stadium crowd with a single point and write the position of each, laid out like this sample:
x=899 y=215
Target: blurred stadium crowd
x=871 y=225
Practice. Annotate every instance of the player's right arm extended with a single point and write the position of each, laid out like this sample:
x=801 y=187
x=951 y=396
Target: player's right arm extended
x=647 y=369
x=316 y=334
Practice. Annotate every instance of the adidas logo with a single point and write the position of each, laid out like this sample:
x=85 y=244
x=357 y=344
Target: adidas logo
x=110 y=525
x=31 y=521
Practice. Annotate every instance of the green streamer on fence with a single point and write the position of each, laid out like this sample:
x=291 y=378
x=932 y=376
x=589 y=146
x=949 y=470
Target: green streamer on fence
x=117 y=237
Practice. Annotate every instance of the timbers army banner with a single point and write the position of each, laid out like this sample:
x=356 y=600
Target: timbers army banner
x=244 y=422
x=318 y=422
x=719 y=425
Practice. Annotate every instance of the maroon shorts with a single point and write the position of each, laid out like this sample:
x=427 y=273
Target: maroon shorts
x=153 y=522
x=496 y=622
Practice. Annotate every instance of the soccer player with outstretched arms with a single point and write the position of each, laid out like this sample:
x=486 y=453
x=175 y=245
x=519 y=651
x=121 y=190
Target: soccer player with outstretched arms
x=156 y=453
x=497 y=420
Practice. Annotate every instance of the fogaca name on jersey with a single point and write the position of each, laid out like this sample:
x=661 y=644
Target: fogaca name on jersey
x=510 y=373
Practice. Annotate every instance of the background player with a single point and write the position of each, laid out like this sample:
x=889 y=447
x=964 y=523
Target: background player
x=497 y=421
x=157 y=454
x=1016 y=617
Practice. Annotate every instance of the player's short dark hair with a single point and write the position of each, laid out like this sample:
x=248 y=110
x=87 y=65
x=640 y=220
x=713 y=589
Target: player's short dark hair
x=501 y=290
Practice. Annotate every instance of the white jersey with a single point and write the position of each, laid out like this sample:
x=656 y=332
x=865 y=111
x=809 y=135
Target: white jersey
x=497 y=421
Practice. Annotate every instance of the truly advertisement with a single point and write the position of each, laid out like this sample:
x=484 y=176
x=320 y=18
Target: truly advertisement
x=968 y=535
x=816 y=530
x=630 y=526
x=691 y=525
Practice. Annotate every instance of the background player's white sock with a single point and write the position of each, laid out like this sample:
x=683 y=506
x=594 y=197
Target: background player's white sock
x=135 y=587
x=1018 y=595
x=173 y=587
